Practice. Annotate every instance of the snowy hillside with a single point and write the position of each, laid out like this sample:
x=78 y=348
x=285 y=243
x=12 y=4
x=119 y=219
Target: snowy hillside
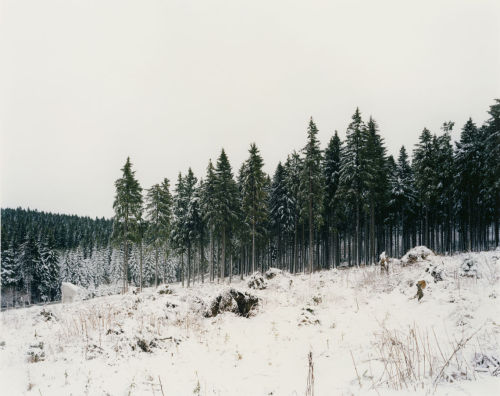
x=343 y=331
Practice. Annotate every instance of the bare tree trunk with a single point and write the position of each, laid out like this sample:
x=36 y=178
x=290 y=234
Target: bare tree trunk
x=125 y=266
x=295 y=249
x=253 y=246
x=211 y=256
x=356 y=247
x=242 y=262
x=202 y=260
x=223 y=253
x=372 y=256
x=156 y=265
x=140 y=266
x=230 y=267
x=189 y=264
x=182 y=268
x=311 y=247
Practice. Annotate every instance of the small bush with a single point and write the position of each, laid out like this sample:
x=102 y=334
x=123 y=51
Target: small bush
x=36 y=353
x=257 y=282
x=242 y=304
x=165 y=290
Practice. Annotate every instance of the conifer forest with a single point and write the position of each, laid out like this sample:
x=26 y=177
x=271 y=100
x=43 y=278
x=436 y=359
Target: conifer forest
x=323 y=207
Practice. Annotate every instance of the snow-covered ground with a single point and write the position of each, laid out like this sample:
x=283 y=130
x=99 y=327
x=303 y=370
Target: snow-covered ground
x=366 y=333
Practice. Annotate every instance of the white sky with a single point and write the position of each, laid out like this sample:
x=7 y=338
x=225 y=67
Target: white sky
x=86 y=83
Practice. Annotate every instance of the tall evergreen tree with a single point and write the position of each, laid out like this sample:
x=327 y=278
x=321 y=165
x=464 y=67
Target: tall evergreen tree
x=178 y=235
x=128 y=212
x=490 y=144
x=293 y=171
x=159 y=214
x=424 y=170
x=331 y=170
x=354 y=174
x=376 y=182
x=311 y=186
x=280 y=209
x=225 y=203
x=403 y=196
x=208 y=199
x=193 y=221
x=254 y=195
x=445 y=189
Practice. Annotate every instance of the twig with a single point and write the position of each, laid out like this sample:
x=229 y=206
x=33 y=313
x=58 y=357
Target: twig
x=355 y=368
x=310 y=377
x=161 y=386
x=459 y=346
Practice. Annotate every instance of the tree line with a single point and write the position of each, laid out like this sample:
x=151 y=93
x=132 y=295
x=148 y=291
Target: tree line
x=39 y=250
x=321 y=208
x=343 y=205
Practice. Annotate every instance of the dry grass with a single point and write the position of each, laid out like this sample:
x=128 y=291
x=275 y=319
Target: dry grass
x=310 y=376
x=416 y=359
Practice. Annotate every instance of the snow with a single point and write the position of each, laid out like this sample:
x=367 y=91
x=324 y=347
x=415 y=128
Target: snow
x=162 y=343
x=418 y=253
x=69 y=292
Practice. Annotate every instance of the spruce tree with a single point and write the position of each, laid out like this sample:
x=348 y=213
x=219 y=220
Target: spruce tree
x=192 y=221
x=331 y=170
x=28 y=262
x=404 y=195
x=293 y=171
x=128 y=212
x=280 y=209
x=391 y=219
x=311 y=186
x=376 y=181
x=199 y=227
x=9 y=269
x=354 y=174
x=468 y=179
x=209 y=212
x=423 y=168
x=225 y=203
x=47 y=270
x=445 y=190
x=490 y=147
x=159 y=214
x=178 y=235
x=254 y=195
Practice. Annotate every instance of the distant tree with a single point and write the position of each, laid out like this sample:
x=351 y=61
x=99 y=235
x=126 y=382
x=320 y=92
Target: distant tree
x=159 y=214
x=28 y=261
x=47 y=270
x=193 y=220
x=178 y=236
x=9 y=268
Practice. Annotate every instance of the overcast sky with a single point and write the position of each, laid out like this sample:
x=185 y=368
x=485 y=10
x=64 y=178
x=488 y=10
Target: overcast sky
x=84 y=84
